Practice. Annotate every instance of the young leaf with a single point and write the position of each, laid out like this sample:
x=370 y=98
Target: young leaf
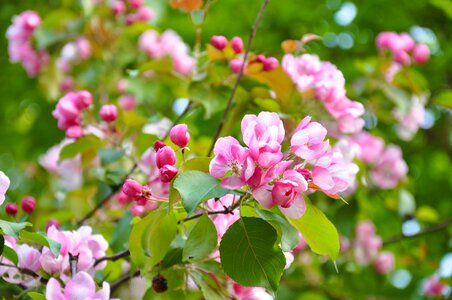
x=201 y=241
x=41 y=239
x=249 y=254
x=84 y=144
x=109 y=155
x=319 y=233
x=196 y=187
x=12 y=229
x=10 y=254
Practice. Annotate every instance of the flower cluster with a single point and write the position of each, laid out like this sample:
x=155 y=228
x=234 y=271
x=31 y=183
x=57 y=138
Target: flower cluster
x=170 y=44
x=367 y=249
x=401 y=46
x=310 y=74
x=133 y=10
x=271 y=175
x=20 y=48
x=68 y=112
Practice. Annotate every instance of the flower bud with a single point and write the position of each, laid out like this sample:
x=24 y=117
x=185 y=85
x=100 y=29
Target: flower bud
x=283 y=194
x=145 y=14
x=11 y=209
x=127 y=102
x=179 y=135
x=260 y=58
x=132 y=188
x=270 y=63
x=167 y=173
x=28 y=204
x=235 y=65
x=305 y=172
x=421 y=53
x=122 y=198
x=165 y=156
x=74 y=132
x=84 y=99
x=219 y=42
x=158 y=144
x=108 y=113
x=237 y=44
x=384 y=262
x=53 y=222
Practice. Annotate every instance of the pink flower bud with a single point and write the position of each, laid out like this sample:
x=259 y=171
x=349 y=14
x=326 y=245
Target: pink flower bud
x=261 y=58
x=145 y=14
x=165 y=156
x=67 y=109
x=305 y=172
x=237 y=44
x=179 y=135
x=219 y=42
x=132 y=188
x=384 y=262
x=108 y=113
x=127 y=102
x=11 y=209
x=28 y=204
x=270 y=63
x=402 y=57
x=167 y=173
x=235 y=65
x=135 y=3
x=74 y=132
x=158 y=144
x=84 y=99
x=53 y=222
x=118 y=8
x=122 y=198
x=137 y=210
x=421 y=53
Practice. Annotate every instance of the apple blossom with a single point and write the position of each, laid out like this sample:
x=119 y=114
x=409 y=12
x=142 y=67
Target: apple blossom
x=179 y=135
x=108 y=113
x=28 y=204
x=165 y=156
x=385 y=262
x=237 y=44
x=167 y=173
x=390 y=168
x=307 y=140
x=433 y=287
x=219 y=42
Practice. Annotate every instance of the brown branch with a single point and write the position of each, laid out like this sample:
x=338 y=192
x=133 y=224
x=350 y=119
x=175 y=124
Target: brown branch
x=239 y=75
x=124 y=278
x=73 y=261
x=434 y=228
x=225 y=211
x=105 y=200
x=25 y=271
x=113 y=257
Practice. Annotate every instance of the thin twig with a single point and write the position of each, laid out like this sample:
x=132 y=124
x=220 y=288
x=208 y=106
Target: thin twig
x=105 y=200
x=434 y=228
x=225 y=211
x=239 y=75
x=25 y=271
x=122 y=279
x=187 y=108
x=113 y=257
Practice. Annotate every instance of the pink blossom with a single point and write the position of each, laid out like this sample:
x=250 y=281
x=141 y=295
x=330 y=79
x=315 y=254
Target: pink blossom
x=223 y=221
x=390 y=168
x=4 y=185
x=148 y=165
x=145 y=14
x=219 y=42
x=433 y=287
x=412 y=119
x=11 y=209
x=165 y=156
x=231 y=157
x=367 y=244
x=237 y=44
x=167 y=173
x=370 y=147
x=28 y=204
x=74 y=132
x=384 y=263
x=179 y=135
x=108 y=113
x=82 y=286
x=53 y=222
x=127 y=102
x=235 y=65
x=421 y=53
x=132 y=189
x=118 y=7
x=270 y=63
x=135 y=4
x=307 y=141
x=249 y=293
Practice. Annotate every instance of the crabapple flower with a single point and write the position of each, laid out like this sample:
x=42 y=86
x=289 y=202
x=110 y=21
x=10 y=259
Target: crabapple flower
x=132 y=189
x=307 y=141
x=384 y=263
x=370 y=147
x=53 y=222
x=233 y=160
x=390 y=168
x=179 y=135
x=270 y=63
x=108 y=113
x=367 y=244
x=11 y=209
x=167 y=173
x=28 y=204
x=237 y=44
x=411 y=120
x=433 y=287
x=145 y=14
x=421 y=53
x=4 y=185
x=249 y=293
x=82 y=286
x=235 y=65
x=219 y=42
x=165 y=156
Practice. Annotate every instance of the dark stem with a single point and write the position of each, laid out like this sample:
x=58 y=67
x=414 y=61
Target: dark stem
x=73 y=260
x=239 y=75
x=25 y=271
x=113 y=257
x=122 y=279
x=186 y=110
x=434 y=228
x=226 y=210
x=108 y=197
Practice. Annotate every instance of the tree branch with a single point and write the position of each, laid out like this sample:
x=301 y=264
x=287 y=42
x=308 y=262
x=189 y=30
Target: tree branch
x=73 y=260
x=239 y=75
x=122 y=279
x=434 y=228
x=225 y=211
x=25 y=271
x=113 y=257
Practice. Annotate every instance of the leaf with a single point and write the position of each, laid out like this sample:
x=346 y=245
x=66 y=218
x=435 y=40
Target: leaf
x=197 y=163
x=164 y=65
x=201 y=241
x=249 y=254
x=41 y=239
x=213 y=99
x=208 y=286
x=173 y=257
x=102 y=192
x=82 y=145
x=135 y=241
x=289 y=234
x=10 y=254
x=444 y=99
x=444 y=5
x=12 y=229
x=108 y=155
x=36 y=296
x=196 y=187
x=121 y=233
x=319 y=233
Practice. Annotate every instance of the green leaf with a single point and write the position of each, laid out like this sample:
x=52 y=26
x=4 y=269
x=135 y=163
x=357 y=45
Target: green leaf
x=164 y=65
x=289 y=234
x=12 y=229
x=212 y=99
x=197 y=163
x=36 y=296
x=10 y=254
x=109 y=155
x=83 y=144
x=135 y=241
x=444 y=99
x=197 y=16
x=201 y=241
x=121 y=233
x=172 y=257
x=319 y=233
x=41 y=239
x=196 y=187
x=209 y=288
x=103 y=192
x=249 y=254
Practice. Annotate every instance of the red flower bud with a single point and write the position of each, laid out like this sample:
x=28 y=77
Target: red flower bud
x=11 y=209
x=108 y=113
x=167 y=173
x=270 y=63
x=165 y=156
x=179 y=135
x=84 y=99
x=74 y=132
x=219 y=42
x=235 y=65
x=53 y=222
x=28 y=204
x=237 y=44
x=132 y=188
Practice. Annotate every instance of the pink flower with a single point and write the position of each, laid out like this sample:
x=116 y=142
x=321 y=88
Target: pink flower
x=179 y=135
x=165 y=156
x=263 y=134
x=249 y=293
x=74 y=132
x=132 y=189
x=231 y=157
x=411 y=120
x=421 y=53
x=370 y=147
x=433 y=287
x=237 y=44
x=127 y=102
x=118 y=7
x=4 y=185
x=367 y=243
x=53 y=222
x=384 y=263
x=219 y=42
x=307 y=141
x=235 y=65
x=145 y=14
x=108 y=113
x=28 y=204
x=390 y=168
x=82 y=286
x=270 y=63
x=167 y=173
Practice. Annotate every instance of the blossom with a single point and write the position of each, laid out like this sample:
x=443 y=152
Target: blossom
x=433 y=287
x=411 y=119
x=421 y=53
x=370 y=147
x=367 y=244
x=82 y=286
x=179 y=135
x=165 y=156
x=219 y=42
x=307 y=141
x=233 y=160
x=249 y=293
x=237 y=44
x=4 y=185
x=28 y=204
x=11 y=209
x=384 y=262
x=390 y=168
x=108 y=113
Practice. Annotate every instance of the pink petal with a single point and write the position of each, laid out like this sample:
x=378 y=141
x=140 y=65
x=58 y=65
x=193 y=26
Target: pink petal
x=82 y=287
x=53 y=290
x=296 y=210
x=322 y=178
